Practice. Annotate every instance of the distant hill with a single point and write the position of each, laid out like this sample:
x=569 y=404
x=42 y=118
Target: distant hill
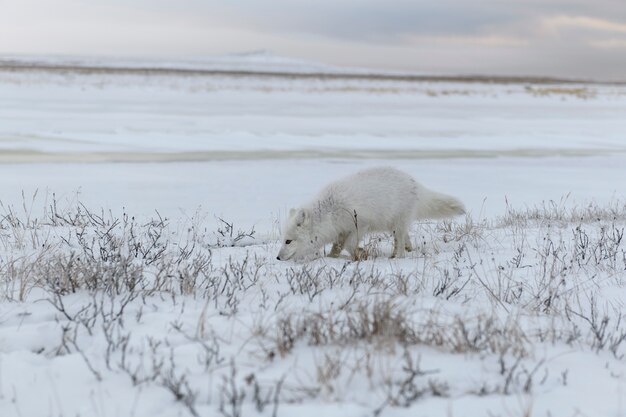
x=252 y=64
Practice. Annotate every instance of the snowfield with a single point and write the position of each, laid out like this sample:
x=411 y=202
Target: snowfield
x=140 y=220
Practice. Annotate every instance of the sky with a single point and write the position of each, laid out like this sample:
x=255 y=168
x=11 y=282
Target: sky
x=566 y=38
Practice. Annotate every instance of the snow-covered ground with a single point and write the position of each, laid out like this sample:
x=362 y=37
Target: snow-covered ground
x=515 y=310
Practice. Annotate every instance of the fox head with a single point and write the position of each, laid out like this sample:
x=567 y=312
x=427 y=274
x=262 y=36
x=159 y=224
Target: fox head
x=298 y=238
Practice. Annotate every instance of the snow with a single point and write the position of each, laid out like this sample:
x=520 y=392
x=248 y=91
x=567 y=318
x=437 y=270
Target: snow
x=535 y=268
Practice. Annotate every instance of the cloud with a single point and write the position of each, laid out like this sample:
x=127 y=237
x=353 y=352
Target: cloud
x=558 y=23
x=371 y=19
x=610 y=43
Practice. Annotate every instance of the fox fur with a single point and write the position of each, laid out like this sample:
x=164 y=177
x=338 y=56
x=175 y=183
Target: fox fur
x=373 y=200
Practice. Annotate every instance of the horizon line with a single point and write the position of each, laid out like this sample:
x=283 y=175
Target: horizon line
x=17 y=63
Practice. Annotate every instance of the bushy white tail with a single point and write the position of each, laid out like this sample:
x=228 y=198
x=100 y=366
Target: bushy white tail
x=434 y=205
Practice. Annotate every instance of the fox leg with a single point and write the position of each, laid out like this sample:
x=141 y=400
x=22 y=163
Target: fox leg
x=407 y=243
x=352 y=246
x=400 y=241
x=338 y=245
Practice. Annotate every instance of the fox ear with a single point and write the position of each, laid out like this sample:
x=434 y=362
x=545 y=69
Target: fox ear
x=301 y=217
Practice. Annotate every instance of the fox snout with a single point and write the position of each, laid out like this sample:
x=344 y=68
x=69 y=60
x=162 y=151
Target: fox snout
x=284 y=255
x=281 y=256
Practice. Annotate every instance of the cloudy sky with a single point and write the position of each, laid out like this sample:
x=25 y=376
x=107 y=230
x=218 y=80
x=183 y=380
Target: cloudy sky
x=574 y=38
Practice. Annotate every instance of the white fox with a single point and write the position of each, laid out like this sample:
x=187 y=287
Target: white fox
x=373 y=200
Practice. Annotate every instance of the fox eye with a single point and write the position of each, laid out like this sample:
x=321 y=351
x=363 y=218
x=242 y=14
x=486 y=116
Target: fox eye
x=287 y=242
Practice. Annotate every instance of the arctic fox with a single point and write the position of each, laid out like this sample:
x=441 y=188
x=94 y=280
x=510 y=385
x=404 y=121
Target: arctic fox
x=373 y=200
